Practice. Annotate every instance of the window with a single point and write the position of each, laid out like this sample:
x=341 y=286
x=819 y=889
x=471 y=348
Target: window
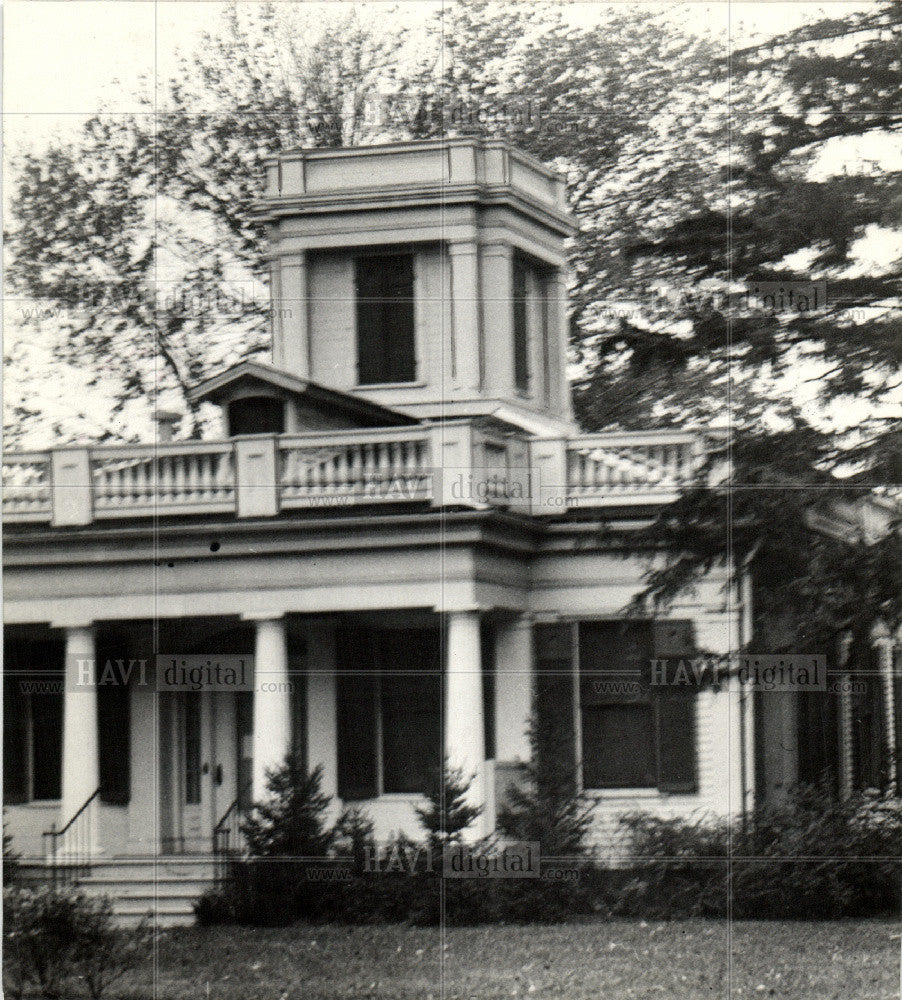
x=386 y=350
x=389 y=711
x=521 y=325
x=633 y=734
x=256 y=415
x=32 y=720
x=615 y=702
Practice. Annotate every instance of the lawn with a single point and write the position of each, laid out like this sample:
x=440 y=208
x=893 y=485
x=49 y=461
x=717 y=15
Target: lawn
x=852 y=960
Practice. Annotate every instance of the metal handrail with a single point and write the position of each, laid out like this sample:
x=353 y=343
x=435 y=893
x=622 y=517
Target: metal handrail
x=79 y=859
x=225 y=821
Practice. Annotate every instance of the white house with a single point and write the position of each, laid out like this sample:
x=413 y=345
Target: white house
x=401 y=529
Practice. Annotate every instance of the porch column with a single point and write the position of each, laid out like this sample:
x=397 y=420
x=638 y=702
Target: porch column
x=81 y=766
x=322 y=726
x=464 y=734
x=272 y=701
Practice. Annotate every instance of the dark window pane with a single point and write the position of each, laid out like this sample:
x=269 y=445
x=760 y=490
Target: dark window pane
x=615 y=662
x=521 y=327
x=411 y=719
x=411 y=709
x=356 y=694
x=618 y=746
x=617 y=718
x=15 y=741
x=47 y=741
x=386 y=350
x=256 y=415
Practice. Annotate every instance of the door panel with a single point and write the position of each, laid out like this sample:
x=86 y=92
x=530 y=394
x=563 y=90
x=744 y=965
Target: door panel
x=206 y=768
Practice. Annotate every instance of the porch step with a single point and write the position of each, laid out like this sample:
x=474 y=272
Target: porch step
x=164 y=888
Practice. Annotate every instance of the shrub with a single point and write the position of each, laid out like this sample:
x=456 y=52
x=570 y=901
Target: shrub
x=448 y=812
x=548 y=806
x=54 y=938
x=10 y=859
x=291 y=822
x=812 y=857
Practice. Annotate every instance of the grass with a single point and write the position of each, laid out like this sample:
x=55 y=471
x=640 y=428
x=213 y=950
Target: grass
x=849 y=960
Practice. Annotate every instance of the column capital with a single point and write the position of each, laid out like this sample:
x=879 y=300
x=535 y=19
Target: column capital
x=498 y=248
x=71 y=628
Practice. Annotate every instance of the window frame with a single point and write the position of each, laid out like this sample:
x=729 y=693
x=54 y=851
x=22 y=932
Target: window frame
x=379 y=673
x=29 y=757
x=662 y=702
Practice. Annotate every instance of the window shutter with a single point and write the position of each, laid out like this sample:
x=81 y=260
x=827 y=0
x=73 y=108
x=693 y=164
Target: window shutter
x=554 y=708
x=356 y=697
x=675 y=721
x=399 y=320
x=114 y=716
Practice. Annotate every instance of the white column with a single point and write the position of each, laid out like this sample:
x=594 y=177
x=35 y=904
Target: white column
x=496 y=270
x=81 y=766
x=322 y=717
x=272 y=701
x=467 y=344
x=513 y=690
x=291 y=336
x=464 y=734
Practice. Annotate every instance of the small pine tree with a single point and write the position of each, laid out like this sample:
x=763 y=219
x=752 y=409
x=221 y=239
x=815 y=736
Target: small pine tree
x=548 y=806
x=448 y=812
x=291 y=822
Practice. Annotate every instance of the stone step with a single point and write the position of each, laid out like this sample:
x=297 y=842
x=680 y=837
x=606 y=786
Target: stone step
x=164 y=888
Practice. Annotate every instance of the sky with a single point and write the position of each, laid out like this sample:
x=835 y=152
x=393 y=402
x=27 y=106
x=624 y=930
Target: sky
x=64 y=57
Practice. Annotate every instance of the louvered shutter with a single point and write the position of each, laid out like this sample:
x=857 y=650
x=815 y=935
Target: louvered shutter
x=675 y=713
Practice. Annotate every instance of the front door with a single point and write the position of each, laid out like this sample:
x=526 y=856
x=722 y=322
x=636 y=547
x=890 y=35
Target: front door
x=206 y=775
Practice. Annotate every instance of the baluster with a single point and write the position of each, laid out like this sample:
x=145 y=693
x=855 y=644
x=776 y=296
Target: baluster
x=369 y=464
x=355 y=456
x=163 y=470
x=193 y=476
x=343 y=469
x=383 y=459
x=205 y=463
x=320 y=475
x=137 y=483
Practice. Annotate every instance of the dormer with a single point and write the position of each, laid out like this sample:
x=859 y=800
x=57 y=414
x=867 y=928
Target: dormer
x=259 y=399
x=428 y=277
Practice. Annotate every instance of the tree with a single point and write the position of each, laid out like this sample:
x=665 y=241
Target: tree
x=140 y=238
x=780 y=378
x=546 y=805
x=290 y=822
x=137 y=241
x=448 y=811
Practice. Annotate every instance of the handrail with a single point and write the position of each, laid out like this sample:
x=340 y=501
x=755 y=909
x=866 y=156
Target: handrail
x=77 y=862
x=58 y=833
x=234 y=807
x=222 y=832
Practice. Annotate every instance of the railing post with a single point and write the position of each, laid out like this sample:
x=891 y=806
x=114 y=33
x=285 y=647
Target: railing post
x=71 y=493
x=548 y=460
x=256 y=472
x=451 y=451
